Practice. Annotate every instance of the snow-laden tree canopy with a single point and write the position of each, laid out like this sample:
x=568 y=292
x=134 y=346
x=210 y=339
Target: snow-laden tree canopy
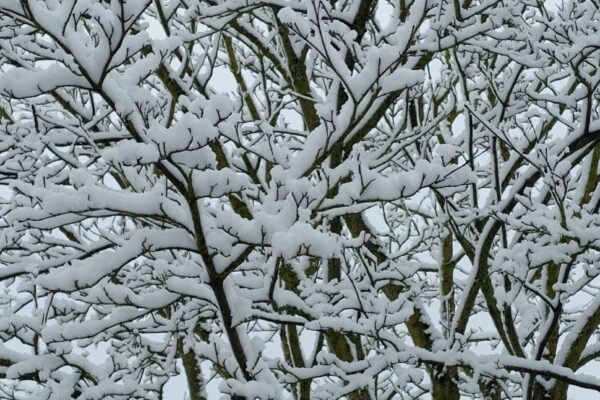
x=351 y=199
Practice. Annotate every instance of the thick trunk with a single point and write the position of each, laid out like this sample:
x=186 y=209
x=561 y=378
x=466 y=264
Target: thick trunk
x=444 y=383
x=541 y=393
x=192 y=372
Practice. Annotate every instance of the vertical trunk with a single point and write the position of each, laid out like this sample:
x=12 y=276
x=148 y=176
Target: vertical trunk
x=290 y=341
x=444 y=384
x=444 y=379
x=490 y=389
x=559 y=392
x=541 y=393
x=341 y=344
x=303 y=387
x=192 y=370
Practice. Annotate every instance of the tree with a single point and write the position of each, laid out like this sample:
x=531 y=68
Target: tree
x=396 y=200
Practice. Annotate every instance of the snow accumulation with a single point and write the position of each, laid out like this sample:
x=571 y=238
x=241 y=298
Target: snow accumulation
x=273 y=199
